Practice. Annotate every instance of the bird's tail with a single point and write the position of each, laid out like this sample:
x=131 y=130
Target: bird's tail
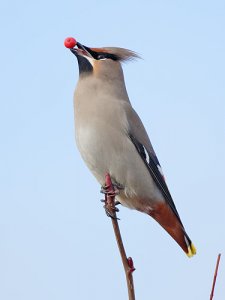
x=191 y=250
x=169 y=221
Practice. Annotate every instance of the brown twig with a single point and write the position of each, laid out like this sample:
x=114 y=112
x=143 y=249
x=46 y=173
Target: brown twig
x=215 y=275
x=111 y=211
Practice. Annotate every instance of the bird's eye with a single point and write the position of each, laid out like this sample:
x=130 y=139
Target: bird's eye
x=101 y=57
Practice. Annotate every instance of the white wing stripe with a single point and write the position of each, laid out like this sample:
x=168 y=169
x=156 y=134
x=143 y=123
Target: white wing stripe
x=147 y=158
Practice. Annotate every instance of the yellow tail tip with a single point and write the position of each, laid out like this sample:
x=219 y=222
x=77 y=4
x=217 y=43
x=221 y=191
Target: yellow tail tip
x=191 y=250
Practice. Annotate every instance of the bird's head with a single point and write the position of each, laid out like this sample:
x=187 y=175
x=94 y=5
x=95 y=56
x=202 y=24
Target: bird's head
x=101 y=62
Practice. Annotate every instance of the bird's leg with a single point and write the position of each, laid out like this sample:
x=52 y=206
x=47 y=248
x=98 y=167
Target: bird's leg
x=109 y=206
x=111 y=191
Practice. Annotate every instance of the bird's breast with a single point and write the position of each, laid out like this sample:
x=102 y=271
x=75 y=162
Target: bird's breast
x=100 y=129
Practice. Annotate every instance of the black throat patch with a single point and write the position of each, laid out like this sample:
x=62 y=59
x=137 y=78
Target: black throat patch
x=84 y=65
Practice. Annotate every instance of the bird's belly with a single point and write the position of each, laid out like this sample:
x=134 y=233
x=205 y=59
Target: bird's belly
x=116 y=155
x=92 y=150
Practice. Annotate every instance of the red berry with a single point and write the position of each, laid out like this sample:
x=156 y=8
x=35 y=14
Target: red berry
x=70 y=42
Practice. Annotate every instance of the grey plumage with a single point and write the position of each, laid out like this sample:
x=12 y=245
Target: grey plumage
x=103 y=122
x=112 y=139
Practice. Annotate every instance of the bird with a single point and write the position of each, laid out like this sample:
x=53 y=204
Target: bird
x=112 y=139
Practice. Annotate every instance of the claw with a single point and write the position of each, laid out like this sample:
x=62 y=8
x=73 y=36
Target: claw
x=116 y=209
x=106 y=189
x=111 y=214
x=111 y=190
x=119 y=186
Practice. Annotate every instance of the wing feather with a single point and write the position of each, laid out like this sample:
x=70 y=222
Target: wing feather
x=154 y=167
x=142 y=143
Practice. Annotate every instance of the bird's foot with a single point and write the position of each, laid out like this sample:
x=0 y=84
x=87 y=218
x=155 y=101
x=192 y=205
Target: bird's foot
x=111 y=212
x=110 y=209
x=111 y=190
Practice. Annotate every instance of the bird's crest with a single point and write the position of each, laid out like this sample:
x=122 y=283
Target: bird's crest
x=121 y=54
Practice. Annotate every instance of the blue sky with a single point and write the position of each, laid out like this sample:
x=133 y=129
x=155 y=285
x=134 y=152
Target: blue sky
x=56 y=242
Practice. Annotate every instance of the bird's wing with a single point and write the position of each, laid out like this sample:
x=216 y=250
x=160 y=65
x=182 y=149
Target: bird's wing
x=140 y=139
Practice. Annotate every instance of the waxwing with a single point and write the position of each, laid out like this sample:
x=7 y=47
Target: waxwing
x=112 y=139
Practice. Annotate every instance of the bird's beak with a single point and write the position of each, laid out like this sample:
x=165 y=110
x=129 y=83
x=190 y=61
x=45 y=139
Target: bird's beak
x=83 y=51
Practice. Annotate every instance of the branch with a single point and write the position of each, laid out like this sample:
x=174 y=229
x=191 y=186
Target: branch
x=110 y=208
x=215 y=275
